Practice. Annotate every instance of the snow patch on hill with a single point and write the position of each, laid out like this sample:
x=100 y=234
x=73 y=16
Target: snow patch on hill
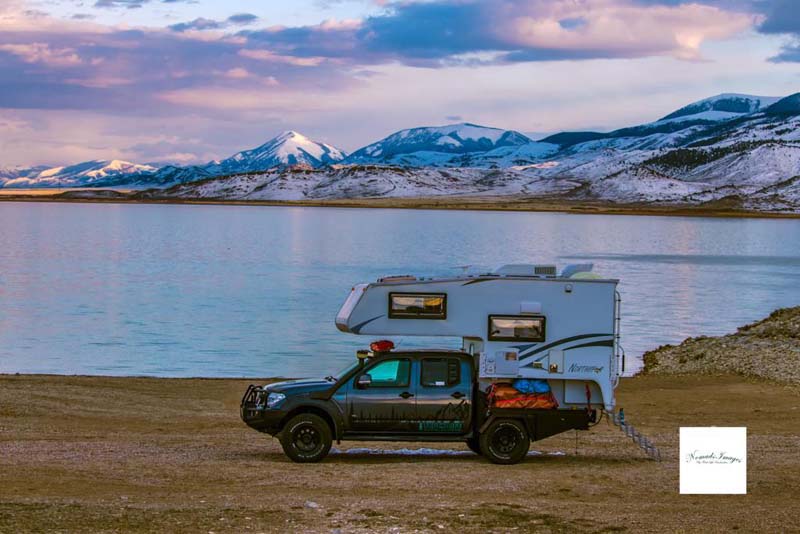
x=82 y=174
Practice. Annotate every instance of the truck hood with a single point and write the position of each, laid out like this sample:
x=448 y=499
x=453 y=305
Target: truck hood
x=299 y=387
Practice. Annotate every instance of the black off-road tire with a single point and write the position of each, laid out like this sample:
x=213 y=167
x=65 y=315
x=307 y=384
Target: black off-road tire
x=505 y=442
x=474 y=444
x=306 y=438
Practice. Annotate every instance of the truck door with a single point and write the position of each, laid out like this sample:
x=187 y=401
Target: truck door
x=388 y=404
x=444 y=393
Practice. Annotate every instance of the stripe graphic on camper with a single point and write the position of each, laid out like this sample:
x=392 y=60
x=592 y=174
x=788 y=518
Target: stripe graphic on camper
x=527 y=353
x=357 y=328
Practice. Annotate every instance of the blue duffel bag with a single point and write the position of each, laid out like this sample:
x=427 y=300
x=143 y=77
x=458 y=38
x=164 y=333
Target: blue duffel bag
x=528 y=386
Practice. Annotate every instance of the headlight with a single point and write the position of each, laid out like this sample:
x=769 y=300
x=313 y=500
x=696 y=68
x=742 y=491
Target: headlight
x=273 y=399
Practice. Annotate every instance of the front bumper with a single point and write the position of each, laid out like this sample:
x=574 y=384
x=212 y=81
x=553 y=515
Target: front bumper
x=254 y=412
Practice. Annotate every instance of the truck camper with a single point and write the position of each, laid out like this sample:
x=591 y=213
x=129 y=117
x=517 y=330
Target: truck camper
x=539 y=355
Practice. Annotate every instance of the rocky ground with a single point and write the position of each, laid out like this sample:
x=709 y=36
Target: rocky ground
x=769 y=349
x=95 y=454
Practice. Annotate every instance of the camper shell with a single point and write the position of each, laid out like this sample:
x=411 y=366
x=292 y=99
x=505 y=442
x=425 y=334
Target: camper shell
x=519 y=323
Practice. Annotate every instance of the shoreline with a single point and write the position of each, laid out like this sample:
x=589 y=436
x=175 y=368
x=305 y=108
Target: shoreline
x=435 y=203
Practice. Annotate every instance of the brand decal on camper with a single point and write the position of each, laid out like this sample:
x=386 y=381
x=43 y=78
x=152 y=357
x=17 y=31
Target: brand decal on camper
x=575 y=368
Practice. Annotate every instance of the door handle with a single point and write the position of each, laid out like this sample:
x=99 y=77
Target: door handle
x=406 y=395
x=457 y=395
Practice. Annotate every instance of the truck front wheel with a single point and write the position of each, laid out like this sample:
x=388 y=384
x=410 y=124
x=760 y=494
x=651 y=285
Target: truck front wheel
x=306 y=438
x=505 y=442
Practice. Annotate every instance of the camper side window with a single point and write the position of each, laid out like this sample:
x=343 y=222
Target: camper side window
x=440 y=372
x=417 y=306
x=516 y=328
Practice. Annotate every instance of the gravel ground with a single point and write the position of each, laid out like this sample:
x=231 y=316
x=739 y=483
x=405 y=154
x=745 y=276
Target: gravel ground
x=769 y=348
x=95 y=454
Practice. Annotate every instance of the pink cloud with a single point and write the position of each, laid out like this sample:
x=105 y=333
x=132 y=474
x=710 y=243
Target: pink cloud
x=43 y=53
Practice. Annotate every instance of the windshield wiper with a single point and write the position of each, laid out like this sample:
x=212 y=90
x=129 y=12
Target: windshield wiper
x=330 y=378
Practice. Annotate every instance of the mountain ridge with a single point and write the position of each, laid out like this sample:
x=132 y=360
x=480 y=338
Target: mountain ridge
x=744 y=148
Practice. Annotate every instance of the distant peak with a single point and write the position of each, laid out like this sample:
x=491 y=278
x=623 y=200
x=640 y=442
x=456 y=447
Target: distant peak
x=732 y=103
x=473 y=125
x=290 y=134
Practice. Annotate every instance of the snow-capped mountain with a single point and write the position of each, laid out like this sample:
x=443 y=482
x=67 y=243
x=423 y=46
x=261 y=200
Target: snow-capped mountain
x=750 y=159
x=11 y=173
x=721 y=107
x=285 y=150
x=288 y=148
x=679 y=127
x=437 y=145
x=732 y=149
x=88 y=173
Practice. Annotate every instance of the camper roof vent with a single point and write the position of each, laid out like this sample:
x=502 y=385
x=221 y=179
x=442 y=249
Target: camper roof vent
x=527 y=269
x=545 y=270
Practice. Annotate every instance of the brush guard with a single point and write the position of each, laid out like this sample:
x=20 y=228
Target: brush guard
x=253 y=404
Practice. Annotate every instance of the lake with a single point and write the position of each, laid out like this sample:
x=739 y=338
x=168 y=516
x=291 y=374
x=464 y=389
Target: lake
x=224 y=291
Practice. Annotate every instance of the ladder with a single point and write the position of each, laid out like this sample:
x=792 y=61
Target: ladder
x=618 y=420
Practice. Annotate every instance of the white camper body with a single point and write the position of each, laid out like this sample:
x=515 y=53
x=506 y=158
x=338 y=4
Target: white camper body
x=523 y=321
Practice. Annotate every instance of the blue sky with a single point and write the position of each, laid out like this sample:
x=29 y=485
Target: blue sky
x=187 y=81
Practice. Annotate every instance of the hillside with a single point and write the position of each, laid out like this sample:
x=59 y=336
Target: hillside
x=769 y=348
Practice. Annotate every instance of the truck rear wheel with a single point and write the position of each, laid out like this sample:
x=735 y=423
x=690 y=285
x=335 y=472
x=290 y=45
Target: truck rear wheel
x=306 y=438
x=505 y=442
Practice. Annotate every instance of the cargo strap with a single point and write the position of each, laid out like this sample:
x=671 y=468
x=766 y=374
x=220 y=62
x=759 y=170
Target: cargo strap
x=618 y=420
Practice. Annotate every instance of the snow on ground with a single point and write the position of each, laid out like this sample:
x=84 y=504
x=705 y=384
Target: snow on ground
x=641 y=185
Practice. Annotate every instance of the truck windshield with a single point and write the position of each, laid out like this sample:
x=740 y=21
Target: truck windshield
x=338 y=375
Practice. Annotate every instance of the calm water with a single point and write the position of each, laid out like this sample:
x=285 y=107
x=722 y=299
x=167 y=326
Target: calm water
x=253 y=291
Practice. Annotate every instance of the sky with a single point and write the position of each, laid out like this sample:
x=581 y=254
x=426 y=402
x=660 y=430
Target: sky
x=188 y=81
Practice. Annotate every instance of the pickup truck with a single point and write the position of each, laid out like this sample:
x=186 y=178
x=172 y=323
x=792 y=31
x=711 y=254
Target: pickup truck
x=411 y=395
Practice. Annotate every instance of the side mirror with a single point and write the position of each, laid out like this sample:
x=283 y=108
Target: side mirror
x=364 y=380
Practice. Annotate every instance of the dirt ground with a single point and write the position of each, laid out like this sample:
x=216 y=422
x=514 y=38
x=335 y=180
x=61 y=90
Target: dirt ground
x=87 y=454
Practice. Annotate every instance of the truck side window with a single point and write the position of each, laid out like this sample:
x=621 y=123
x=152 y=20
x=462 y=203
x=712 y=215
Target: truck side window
x=391 y=373
x=440 y=372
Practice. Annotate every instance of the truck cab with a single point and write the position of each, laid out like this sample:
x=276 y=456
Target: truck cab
x=408 y=395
